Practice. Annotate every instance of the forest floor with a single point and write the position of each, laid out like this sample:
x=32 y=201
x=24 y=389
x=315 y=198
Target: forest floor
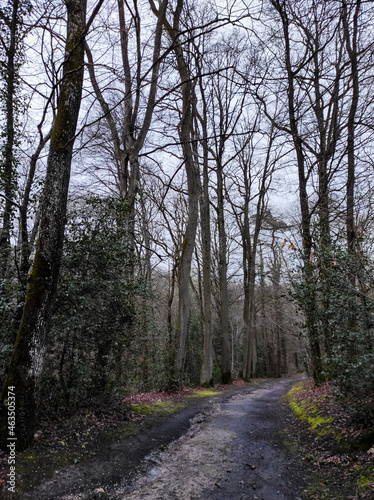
x=270 y=439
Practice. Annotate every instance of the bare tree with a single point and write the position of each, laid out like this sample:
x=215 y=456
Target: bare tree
x=317 y=134
x=205 y=221
x=223 y=100
x=257 y=158
x=129 y=128
x=187 y=138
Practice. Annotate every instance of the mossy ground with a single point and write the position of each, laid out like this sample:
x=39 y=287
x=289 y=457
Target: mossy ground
x=310 y=411
x=333 y=443
x=204 y=394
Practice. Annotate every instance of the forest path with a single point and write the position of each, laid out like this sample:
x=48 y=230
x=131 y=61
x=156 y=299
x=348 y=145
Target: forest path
x=226 y=447
x=237 y=453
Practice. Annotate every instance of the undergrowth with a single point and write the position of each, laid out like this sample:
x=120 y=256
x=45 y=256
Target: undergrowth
x=337 y=443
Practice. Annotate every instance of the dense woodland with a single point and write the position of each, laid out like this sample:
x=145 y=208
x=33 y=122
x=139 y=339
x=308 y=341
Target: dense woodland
x=185 y=196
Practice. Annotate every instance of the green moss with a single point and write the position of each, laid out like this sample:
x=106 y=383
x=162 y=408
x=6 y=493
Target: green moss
x=38 y=279
x=309 y=411
x=204 y=394
x=365 y=479
x=142 y=409
x=323 y=485
x=296 y=388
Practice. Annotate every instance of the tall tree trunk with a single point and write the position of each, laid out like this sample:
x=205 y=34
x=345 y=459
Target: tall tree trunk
x=277 y=314
x=249 y=315
x=207 y=358
x=184 y=276
x=28 y=357
x=226 y=376
x=25 y=247
x=328 y=129
x=248 y=333
x=206 y=374
x=8 y=174
x=127 y=141
x=351 y=44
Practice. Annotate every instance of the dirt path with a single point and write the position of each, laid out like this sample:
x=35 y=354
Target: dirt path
x=232 y=449
x=237 y=453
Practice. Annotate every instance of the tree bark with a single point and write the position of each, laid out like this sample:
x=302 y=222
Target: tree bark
x=206 y=374
x=351 y=45
x=28 y=357
x=226 y=377
x=248 y=307
x=25 y=247
x=8 y=176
